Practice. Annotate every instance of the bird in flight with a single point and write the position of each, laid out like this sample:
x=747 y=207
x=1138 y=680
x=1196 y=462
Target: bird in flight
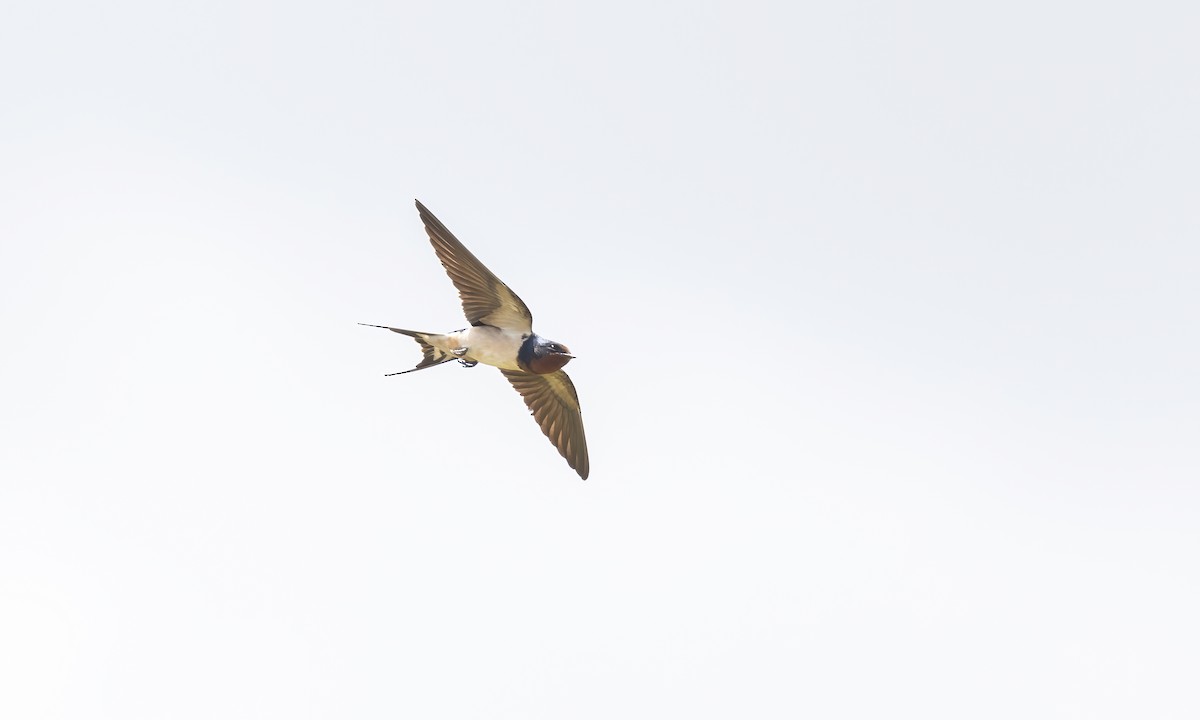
x=501 y=335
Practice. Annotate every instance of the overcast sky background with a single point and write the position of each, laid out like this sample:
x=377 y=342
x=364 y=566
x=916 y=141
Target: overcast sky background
x=886 y=324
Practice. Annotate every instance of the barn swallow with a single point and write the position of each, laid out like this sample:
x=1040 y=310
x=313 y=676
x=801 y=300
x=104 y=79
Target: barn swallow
x=501 y=335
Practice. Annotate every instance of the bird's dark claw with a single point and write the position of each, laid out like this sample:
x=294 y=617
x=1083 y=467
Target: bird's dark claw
x=468 y=363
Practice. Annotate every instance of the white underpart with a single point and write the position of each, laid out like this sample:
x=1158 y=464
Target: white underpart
x=484 y=343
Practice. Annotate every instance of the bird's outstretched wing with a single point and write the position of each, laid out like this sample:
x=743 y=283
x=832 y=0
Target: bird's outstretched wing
x=555 y=405
x=486 y=300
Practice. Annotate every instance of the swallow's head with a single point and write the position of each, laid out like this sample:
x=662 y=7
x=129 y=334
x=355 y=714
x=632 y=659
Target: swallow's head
x=544 y=356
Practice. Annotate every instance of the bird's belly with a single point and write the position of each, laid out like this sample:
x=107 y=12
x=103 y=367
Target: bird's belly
x=492 y=346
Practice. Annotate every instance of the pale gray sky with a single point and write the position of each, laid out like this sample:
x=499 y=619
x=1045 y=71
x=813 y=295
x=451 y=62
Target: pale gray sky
x=886 y=316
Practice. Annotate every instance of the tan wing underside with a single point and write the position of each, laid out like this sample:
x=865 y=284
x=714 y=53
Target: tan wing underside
x=555 y=406
x=485 y=298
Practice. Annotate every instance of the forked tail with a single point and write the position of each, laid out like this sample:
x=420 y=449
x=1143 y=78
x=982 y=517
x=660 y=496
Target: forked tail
x=433 y=356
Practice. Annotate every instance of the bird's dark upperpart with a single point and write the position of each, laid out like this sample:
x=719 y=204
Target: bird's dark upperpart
x=541 y=356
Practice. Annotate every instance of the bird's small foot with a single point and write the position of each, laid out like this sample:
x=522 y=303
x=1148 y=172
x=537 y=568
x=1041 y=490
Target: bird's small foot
x=461 y=354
